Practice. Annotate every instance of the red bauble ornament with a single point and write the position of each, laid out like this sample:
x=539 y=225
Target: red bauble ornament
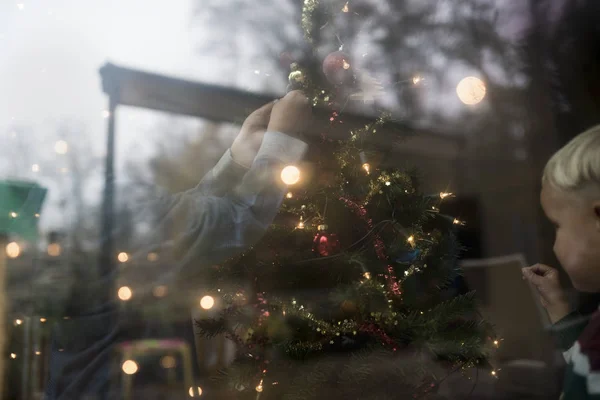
x=325 y=244
x=337 y=68
x=286 y=59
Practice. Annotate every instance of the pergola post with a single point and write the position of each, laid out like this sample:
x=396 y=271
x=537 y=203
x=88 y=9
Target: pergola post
x=106 y=257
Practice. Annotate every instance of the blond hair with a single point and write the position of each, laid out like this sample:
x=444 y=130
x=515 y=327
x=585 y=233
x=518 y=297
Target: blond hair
x=576 y=166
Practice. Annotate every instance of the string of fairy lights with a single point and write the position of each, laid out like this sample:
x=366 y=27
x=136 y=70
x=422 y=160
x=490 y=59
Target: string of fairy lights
x=470 y=91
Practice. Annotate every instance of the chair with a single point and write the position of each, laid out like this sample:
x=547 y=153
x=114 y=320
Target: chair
x=169 y=348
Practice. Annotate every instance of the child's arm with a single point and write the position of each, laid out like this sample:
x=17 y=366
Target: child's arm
x=567 y=326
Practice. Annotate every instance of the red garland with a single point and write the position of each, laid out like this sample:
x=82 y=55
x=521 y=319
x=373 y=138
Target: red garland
x=393 y=281
x=374 y=330
x=360 y=211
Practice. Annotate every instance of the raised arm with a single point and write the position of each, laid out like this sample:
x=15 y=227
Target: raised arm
x=208 y=224
x=207 y=229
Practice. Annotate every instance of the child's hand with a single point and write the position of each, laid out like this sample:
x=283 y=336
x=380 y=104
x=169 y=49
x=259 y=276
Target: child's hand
x=291 y=115
x=248 y=141
x=552 y=295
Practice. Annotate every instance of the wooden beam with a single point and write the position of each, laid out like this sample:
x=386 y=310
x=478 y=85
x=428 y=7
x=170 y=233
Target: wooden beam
x=222 y=104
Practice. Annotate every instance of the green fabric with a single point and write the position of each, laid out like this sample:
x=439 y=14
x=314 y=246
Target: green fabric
x=575 y=386
x=20 y=201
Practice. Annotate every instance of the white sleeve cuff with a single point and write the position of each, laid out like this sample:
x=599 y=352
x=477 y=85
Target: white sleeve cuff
x=228 y=166
x=282 y=147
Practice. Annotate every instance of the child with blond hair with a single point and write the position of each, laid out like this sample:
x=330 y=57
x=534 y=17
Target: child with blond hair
x=570 y=198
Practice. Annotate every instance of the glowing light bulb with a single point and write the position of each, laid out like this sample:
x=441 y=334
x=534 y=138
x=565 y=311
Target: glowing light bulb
x=416 y=79
x=207 y=302
x=13 y=355
x=367 y=167
x=61 y=147
x=496 y=342
x=13 y=250
x=125 y=293
x=301 y=223
x=18 y=322
x=290 y=175
x=289 y=195
x=123 y=257
x=130 y=367
x=42 y=320
x=494 y=373
x=443 y=195
x=259 y=388
x=345 y=65
x=367 y=275
x=198 y=391
x=345 y=9
x=411 y=239
x=471 y=90
x=13 y=214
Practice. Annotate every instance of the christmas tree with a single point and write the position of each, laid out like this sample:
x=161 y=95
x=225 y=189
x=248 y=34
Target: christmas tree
x=348 y=294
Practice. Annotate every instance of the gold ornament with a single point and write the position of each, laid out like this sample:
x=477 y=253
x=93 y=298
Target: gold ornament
x=296 y=77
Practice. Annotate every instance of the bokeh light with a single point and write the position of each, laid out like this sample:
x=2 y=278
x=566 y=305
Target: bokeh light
x=130 y=367
x=207 y=302
x=125 y=293
x=123 y=257
x=54 y=249
x=168 y=362
x=61 y=147
x=160 y=291
x=197 y=392
x=13 y=250
x=471 y=90
x=290 y=175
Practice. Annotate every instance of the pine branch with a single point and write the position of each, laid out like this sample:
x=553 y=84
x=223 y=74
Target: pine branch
x=459 y=306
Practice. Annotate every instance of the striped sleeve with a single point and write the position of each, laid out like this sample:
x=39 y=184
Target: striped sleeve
x=582 y=380
x=567 y=330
